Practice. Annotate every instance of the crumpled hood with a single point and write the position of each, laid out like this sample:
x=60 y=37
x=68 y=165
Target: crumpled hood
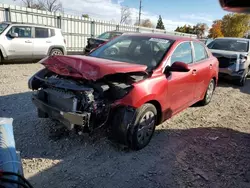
x=89 y=68
x=227 y=54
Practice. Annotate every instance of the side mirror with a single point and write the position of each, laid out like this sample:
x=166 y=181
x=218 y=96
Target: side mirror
x=13 y=35
x=240 y=6
x=177 y=67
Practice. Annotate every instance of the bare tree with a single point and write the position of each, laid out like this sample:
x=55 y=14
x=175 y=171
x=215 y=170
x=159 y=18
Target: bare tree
x=125 y=15
x=49 y=5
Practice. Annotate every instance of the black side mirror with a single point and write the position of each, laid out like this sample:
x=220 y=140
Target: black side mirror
x=177 y=67
x=241 y=6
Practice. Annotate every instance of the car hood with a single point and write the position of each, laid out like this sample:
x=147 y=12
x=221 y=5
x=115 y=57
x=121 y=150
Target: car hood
x=227 y=54
x=89 y=68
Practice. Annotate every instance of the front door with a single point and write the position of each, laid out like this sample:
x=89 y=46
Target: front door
x=181 y=84
x=20 y=47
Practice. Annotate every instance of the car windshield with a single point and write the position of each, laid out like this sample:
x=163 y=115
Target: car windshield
x=237 y=45
x=3 y=26
x=134 y=49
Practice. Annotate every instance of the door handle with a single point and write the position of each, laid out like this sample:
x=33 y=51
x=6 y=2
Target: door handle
x=48 y=41
x=28 y=41
x=210 y=66
x=194 y=71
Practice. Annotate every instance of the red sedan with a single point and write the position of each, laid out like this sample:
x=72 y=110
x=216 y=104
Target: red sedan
x=130 y=84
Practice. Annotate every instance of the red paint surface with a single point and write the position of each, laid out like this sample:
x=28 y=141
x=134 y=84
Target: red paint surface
x=87 y=67
x=173 y=93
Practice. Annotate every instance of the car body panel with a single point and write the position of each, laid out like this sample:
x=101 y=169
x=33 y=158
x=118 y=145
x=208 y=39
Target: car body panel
x=87 y=67
x=172 y=91
x=230 y=65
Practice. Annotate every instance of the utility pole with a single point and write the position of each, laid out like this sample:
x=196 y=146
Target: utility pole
x=140 y=14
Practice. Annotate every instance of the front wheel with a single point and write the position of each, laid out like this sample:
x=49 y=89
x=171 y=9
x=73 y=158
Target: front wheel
x=143 y=127
x=209 y=93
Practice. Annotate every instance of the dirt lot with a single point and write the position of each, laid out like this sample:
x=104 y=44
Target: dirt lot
x=201 y=147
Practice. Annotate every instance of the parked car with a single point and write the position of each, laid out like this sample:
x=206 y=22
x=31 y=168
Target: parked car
x=24 y=41
x=150 y=79
x=234 y=58
x=104 y=37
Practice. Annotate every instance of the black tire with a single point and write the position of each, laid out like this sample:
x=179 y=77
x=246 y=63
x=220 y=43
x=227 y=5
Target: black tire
x=138 y=142
x=242 y=81
x=55 y=51
x=209 y=93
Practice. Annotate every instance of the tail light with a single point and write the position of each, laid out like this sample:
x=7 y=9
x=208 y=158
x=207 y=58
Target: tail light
x=64 y=40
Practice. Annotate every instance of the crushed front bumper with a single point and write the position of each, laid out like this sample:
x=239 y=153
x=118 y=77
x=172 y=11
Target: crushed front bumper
x=69 y=119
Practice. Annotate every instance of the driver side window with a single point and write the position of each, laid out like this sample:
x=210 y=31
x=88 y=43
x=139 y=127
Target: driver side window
x=183 y=53
x=22 y=31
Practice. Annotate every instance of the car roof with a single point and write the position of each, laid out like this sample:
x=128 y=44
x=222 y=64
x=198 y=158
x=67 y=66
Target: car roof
x=232 y=38
x=31 y=25
x=163 y=36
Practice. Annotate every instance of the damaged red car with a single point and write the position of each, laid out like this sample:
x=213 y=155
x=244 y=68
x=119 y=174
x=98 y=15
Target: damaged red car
x=130 y=84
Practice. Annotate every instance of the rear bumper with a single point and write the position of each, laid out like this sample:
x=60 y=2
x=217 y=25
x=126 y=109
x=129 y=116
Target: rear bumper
x=69 y=119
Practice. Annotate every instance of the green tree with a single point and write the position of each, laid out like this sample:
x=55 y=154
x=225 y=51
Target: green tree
x=160 y=24
x=186 y=29
x=235 y=25
x=85 y=16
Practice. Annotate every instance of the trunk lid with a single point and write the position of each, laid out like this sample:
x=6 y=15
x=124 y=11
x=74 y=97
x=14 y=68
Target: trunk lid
x=89 y=68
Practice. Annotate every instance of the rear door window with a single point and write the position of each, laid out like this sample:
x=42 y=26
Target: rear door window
x=41 y=32
x=200 y=52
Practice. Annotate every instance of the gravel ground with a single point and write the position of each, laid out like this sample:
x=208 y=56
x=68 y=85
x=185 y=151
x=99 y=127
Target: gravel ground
x=201 y=147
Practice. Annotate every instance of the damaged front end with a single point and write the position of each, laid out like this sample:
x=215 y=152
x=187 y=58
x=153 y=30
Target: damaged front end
x=79 y=103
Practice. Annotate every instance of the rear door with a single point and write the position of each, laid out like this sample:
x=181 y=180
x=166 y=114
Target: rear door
x=42 y=42
x=20 y=47
x=181 y=84
x=202 y=68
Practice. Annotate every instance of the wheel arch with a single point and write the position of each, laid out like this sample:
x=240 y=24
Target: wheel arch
x=62 y=48
x=158 y=108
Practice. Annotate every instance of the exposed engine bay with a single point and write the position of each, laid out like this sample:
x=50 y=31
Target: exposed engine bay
x=79 y=103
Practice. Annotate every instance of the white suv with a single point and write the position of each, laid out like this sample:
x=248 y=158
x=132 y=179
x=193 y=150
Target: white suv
x=24 y=41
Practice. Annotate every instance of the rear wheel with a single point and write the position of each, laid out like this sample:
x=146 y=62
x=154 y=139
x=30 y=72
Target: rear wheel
x=56 y=51
x=209 y=93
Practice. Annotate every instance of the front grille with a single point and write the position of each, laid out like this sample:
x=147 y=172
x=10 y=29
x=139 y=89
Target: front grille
x=226 y=62
x=61 y=99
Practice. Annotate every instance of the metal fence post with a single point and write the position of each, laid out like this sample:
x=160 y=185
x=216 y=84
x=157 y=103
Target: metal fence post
x=117 y=27
x=59 y=22
x=7 y=15
x=92 y=29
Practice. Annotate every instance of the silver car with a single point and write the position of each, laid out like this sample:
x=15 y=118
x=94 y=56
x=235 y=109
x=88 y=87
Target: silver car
x=234 y=58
